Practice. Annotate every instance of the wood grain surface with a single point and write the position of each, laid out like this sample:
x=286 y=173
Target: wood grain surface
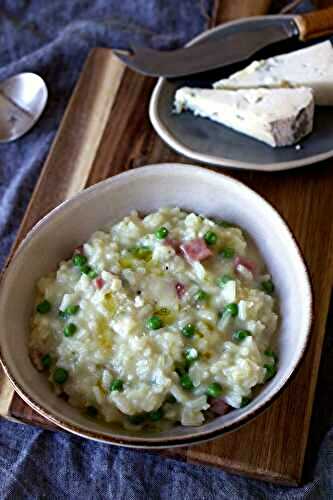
x=227 y=10
x=272 y=446
x=315 y=24
x=71 y=156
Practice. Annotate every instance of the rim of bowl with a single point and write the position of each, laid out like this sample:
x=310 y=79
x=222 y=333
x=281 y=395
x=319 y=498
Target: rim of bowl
x=141 y=441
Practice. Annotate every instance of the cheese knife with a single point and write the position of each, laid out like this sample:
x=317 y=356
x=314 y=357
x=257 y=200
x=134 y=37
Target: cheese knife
x=228 y=44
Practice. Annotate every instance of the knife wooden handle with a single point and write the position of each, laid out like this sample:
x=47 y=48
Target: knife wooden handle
x=315 y=24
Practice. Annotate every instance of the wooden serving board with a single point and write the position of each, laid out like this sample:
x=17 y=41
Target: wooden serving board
x=109 y=114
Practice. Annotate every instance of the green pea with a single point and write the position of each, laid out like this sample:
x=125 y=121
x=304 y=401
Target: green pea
x=186 y=382
x=200 y=296
x=91 y=411
x=271 y=354
x=156 y=415
x=117 y=385
x=79 y=260
x=214 y=390
x=60 y=375
x=227 y=253
x=210 y=238
x=71 y=310
x=92 y=274
x=46 y=361
x=241 y=335
x=70 y=329
x=86 y=269
x=191 y=354
x=171 y=399
x=231 y=309
x=136 y=419
x=270 y=372
x=44 y=307
x=161 y=233
x=268 y=286
x=62 y=314
x=188 y=330
x=154 y=323
x=223 y=280
x=245 y=401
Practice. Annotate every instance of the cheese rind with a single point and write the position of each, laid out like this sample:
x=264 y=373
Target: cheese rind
x=278 y=117
x=310 y=67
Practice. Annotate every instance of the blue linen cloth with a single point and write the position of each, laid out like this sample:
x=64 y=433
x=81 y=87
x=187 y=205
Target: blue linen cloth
x=53 y=38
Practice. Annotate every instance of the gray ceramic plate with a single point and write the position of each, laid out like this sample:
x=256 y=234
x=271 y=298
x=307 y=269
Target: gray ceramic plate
x=209 y=142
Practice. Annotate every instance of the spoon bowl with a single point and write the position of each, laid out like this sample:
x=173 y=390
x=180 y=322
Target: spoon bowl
x=22 y=100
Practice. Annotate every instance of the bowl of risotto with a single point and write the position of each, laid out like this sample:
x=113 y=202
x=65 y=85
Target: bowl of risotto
x=162 y=307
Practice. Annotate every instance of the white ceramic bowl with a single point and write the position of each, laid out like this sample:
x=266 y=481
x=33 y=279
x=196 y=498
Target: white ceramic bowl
x=147 y=189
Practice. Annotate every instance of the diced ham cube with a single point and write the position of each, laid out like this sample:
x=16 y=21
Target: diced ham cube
x=180 y=290
x=219 y=407
x=250 y=265
x=99 y=282
x=196 y=249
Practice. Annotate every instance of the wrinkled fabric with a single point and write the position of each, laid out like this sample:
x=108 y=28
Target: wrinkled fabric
x=53 y=38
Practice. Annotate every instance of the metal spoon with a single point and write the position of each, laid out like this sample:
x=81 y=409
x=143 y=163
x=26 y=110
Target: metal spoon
x=22 y=100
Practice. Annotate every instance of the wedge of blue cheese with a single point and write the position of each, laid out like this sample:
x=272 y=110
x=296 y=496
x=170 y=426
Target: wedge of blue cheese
x=310 y=67
x=278 y=117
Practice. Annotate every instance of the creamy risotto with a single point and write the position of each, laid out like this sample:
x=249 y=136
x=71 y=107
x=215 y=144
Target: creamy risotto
x=168 y=318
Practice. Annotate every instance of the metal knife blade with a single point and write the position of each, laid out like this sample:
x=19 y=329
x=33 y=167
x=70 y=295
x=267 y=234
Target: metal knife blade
x=228 y=44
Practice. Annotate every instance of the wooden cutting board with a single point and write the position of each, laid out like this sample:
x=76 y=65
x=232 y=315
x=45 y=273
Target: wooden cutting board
x=108 y=114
